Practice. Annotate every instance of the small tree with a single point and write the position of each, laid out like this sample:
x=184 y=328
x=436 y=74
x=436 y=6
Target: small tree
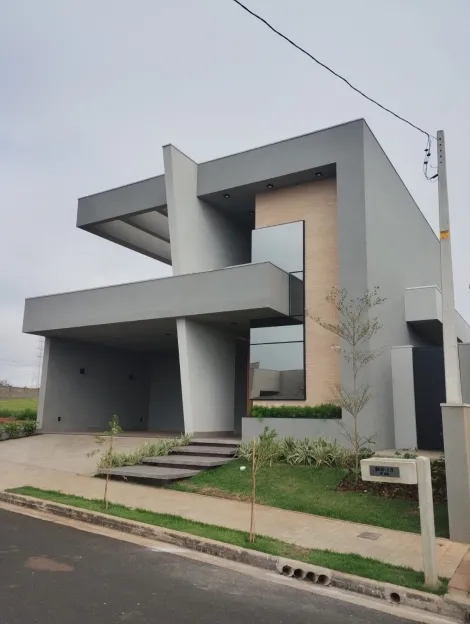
x=265 y=450
x=114 y=429
x=355 y=327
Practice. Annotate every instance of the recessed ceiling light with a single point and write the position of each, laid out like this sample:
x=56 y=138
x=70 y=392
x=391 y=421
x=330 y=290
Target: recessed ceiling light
x=270 y=186
x=319 y=174
x=226 y=196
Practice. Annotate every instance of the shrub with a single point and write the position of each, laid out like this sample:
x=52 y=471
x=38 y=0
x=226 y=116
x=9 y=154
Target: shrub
x=13 y=429
x=322 y=411
x=267 y=447
x=26 y=414
x=148 y=449
x=29 y=427
x=318 y=452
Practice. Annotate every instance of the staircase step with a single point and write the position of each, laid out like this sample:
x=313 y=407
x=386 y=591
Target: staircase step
x=193 y=462
x=215 y=451
x=158 y=475
x=226 y=443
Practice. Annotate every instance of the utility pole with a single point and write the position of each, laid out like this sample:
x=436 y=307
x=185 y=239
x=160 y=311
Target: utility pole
x=451 y=353
x=455 y=415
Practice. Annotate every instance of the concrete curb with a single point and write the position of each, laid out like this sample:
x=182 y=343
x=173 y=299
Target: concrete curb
x=446 y=606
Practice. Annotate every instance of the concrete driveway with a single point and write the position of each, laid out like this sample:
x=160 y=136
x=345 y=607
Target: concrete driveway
x=53 y=453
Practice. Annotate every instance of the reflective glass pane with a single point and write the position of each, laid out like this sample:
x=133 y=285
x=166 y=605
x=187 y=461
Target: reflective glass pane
x=296 y=295
x=283 y=333
x=283 y=245
x=277 y=371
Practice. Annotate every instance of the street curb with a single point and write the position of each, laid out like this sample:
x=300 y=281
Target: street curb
x=446 y=606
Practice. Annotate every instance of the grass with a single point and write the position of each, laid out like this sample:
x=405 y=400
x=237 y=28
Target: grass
x=312 y=490
x=9 y=406
x=349 y=563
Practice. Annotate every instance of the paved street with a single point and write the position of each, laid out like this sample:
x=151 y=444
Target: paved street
x=54 y=573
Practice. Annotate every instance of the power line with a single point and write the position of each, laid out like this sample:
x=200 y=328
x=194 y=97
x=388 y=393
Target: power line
x=367 y=97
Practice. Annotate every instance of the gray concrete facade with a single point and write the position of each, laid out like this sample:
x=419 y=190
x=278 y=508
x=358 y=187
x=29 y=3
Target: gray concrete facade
x=191 y=330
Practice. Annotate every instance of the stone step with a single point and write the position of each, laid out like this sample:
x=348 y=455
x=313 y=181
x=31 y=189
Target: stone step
x=225 y=442
x=194 y=462
x=157 y=475
x=215 y=451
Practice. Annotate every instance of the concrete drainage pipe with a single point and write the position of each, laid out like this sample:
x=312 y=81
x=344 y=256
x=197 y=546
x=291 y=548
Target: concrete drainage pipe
x=307 y=572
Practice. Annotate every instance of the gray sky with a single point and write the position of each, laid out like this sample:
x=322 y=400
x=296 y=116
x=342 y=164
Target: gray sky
x=91 y=90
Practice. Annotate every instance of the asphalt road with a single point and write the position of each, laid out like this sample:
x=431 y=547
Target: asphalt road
x=52 y=573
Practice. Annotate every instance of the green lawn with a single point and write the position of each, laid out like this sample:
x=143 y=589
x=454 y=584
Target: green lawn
x=312 y=490
x=17 y=405
x=349 y=563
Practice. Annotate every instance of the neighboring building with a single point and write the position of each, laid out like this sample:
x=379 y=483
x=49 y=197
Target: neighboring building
x=254 y=239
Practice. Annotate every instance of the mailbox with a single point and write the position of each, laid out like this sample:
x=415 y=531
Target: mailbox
x=389 y=470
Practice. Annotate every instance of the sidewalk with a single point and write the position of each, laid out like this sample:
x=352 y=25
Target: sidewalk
x=395 y=547
x=53 y=461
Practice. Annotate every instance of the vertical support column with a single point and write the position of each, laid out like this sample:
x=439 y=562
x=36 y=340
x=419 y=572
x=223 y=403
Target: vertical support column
x=203 y=238
x=207 y=364
x=456 y=426
x=404 y=413
x=43 y=382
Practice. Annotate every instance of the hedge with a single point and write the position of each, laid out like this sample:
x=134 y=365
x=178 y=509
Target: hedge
x=323 y=411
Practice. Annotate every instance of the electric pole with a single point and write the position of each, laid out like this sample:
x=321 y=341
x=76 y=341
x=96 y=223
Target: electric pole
x=451 y=353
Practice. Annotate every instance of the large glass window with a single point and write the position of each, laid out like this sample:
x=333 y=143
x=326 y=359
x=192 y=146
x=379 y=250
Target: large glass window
x=277 y=359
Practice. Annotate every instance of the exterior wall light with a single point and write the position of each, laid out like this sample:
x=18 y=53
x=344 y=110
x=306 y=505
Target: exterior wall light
x=226 y=196
x=319 y=174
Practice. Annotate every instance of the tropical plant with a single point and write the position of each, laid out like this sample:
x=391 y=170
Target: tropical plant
x=148 y=449
x=356 y=327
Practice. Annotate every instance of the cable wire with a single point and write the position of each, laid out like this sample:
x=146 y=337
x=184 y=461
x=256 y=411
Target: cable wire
x=367 y=97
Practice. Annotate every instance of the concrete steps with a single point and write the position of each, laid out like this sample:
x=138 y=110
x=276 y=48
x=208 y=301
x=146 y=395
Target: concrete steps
x=193 y=462
x=208 y=451
x=183 y=462
x=155 y=475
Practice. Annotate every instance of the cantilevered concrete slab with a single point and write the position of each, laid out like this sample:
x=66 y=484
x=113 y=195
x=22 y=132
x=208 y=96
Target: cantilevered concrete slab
x=423 y=311
x=252 y=291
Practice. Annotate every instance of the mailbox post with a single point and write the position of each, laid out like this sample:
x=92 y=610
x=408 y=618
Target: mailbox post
x=410 y=471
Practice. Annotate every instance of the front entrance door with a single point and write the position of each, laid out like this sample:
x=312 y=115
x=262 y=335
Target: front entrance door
x=430 y=392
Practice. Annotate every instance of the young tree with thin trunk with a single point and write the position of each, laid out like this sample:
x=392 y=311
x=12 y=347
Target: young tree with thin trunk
x=356 y=326
x=264 y=451
x=114 y=430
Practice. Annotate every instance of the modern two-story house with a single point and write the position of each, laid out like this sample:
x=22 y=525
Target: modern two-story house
x=254 y=239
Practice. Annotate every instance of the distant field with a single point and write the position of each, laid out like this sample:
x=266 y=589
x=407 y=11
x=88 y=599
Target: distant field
x=17 y=405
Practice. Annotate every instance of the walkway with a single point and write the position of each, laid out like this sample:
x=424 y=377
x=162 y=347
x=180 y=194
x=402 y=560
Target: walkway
x=29 y=462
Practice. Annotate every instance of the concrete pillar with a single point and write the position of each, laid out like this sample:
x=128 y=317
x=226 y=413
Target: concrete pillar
x=207 y=364
x=43 y=382
x=203 y=238
x=456 y=426
x=404 y=397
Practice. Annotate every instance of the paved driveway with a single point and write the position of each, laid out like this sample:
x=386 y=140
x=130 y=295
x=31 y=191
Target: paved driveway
x=53 y=452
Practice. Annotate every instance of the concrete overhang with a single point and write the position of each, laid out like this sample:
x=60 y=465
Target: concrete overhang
x=134 y=216
x=423 y=311
x=230 y=299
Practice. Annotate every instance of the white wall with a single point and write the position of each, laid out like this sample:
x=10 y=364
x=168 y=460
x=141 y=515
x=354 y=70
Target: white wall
x=207 y=364
x=166 y=402
x=202 y=237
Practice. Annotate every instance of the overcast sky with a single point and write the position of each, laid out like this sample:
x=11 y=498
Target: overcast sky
x=91 y=89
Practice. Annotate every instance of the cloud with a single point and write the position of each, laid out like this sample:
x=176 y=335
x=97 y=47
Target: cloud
x=90 y=92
